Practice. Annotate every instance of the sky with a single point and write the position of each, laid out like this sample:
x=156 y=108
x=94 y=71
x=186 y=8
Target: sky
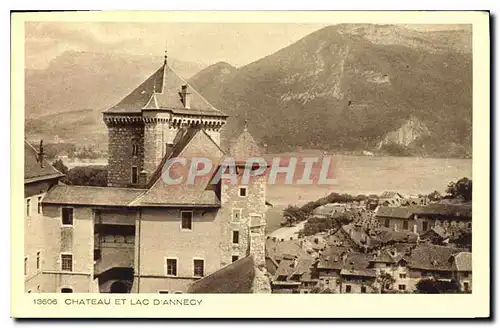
x=203 y=43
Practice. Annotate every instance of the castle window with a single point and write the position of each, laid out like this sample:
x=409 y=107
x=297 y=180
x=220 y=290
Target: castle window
x=171 y=267
x=135 y=175
x=66 y=290
x=186 y=220
x=236 y=214
x=236 y=237
x=243 y=191
x=234 y=258
x=402 y=276
x=387 y=223
x=425 y=226
x=67 y=262
x=39 y=205
x=26 y=265
x=28 y=207
x=402 y=287
x=198 y=268
x=38 y=260
x=67 y=216
x=405 y=225
x=135 y=149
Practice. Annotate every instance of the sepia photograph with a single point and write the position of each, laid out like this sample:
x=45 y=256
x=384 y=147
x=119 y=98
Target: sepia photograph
x=170 y=157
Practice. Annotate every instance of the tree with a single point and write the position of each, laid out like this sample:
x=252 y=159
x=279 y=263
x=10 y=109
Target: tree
x=460 y=189
x=87 y=176
x=385 y=280
x=435 y=196
x=59 y=165
x=434 y=286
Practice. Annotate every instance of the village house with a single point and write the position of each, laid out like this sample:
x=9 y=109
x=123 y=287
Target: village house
x=39 y=176
x=420 y=219
x=330 y=263
x=356 y=275
x=442 y=263
x=142 y=234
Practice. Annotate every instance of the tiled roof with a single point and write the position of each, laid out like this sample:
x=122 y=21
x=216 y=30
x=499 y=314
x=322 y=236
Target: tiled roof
x=390 y=194
x=395 y=212
x=237 y=277
x=202 y=193
x=357 y=264
x=87 y=195
x=448 y=210
x=161 y=92
x=463 y=261
x=331 y=258
x=387 y=236
x=33 y=170
x=277 y=249
x=383 y=257
x=244 y=147
x=432 y=257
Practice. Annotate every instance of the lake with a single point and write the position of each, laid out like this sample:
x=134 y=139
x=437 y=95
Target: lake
x=362 y=175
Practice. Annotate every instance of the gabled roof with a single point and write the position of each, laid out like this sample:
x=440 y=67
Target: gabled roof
x=387 y=236
x=432 y=257
x=395 y=212
x=237 y=277
x=357 y=264
x=87 y=195
x=331 y=258
x=202 y=193
x=161 y=92
x=33 y=168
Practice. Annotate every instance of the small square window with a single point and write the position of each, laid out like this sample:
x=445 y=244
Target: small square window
x=363 y=289
x=236 y=214
x=243 y=191
x=348 y=289
x=234 y=258
x=66 y=262
x=402 y=287
x=172 y=267
x=402 y=276
x=186 y=220
x=67 y=216
x=198 y=268
x=236 y=237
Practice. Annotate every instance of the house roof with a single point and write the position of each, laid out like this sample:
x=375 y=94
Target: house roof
x=357 y=264
x=88 y=195
x=331 y=258
x=161 y=92
x=237 y=277
x=201 y=193
x=453 y=210
x=395 y=212
x=387 y=236
x=463 y=261
x=390 y=194
x=33 y=168
x=432 y=257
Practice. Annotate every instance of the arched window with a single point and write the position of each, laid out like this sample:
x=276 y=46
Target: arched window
x=66 y=290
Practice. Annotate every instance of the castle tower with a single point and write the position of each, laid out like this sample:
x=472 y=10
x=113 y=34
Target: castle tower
x=246 y=202
x=143 y=125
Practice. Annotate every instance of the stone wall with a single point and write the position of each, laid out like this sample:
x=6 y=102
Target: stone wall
x=120 y=159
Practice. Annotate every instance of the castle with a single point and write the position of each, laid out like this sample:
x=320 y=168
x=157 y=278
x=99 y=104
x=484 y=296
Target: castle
x=140 y=234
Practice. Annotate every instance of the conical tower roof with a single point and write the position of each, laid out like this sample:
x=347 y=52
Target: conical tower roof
x=161 y=92
x=244 y=147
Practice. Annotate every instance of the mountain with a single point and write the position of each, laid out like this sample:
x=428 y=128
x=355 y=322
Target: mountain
x=346 y=87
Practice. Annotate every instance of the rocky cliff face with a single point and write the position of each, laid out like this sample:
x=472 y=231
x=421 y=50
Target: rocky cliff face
x=408 y=132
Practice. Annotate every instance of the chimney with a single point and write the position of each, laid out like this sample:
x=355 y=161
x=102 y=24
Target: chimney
x=41 y=154
x=143 y=178
x=185 y=96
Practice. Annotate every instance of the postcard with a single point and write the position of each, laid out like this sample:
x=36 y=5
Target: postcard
x=250 y=164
